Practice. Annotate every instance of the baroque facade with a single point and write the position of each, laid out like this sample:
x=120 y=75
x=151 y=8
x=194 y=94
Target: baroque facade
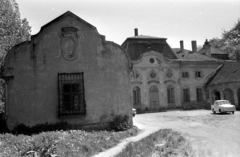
x=165 y=79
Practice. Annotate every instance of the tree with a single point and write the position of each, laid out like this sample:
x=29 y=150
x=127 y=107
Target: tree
x=230 y=41
x=13 y=29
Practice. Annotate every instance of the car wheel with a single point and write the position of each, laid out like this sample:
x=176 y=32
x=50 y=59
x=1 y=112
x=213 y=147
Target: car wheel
x=213 y=111
x=220 y=111
x=232 y=112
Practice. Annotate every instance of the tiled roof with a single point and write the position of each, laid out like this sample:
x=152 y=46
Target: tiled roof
x=229 y=72
x=136 y=46
x=212 y=50
x=145 y=37
x=187 y=55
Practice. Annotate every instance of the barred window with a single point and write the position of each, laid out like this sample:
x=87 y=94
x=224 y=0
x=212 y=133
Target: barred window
x=170 y=94
x=71 y=94
x=199 y=93
x=186 y=95
x=136 y=96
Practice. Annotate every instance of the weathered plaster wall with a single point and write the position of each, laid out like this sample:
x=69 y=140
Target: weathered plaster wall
x=192 y=82
x=234 y=86
x=32 y=95
x=169 y=73
x=161 y=67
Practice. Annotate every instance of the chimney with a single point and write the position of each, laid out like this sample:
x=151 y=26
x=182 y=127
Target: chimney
x=181 y=46
x=136 y=31
x=194 y=46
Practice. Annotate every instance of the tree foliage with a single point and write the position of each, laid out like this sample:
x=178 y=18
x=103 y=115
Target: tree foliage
x=230 y=41
x=13 y=29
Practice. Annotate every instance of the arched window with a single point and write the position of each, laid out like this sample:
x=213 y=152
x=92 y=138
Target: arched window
x=170 y=94
x=199 y=94
x=216 y=95
x=186 y=95
x=229 y=95
x=136 y=95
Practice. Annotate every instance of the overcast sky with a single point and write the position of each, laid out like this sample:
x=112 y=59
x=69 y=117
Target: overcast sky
x=175 y=20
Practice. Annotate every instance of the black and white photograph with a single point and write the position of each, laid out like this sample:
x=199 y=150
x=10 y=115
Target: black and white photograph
x=129 y=78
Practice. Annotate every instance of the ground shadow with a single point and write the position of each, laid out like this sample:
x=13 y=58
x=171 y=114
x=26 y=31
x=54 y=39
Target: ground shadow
x=227 y=113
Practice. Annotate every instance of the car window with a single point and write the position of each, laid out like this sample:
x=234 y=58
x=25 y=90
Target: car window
x=222 y=102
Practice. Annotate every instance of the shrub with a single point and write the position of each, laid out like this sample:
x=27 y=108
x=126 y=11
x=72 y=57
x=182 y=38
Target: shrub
x=69 y=143
x=121 y=123
x=3 y=123
x=164 y=142
x=26 y=130
x=197 y=105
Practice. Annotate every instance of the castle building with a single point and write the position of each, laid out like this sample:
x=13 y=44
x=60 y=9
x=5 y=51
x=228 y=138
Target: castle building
x=165 y=79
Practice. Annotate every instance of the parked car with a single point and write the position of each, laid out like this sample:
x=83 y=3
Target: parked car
x=134 y=112
x=223 y=106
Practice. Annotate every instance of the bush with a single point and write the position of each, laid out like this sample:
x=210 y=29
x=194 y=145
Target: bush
x=164 y=142
x=197 y=105
x=121 y=123
x=26 y=130
x=69 y=143
x=3 y=123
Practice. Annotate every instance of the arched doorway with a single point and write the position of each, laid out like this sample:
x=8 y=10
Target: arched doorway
x=153 y=97
x=215 y=95
x=229 y=95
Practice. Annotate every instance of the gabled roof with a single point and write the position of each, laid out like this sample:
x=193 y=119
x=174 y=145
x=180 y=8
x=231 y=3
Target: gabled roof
x=68 y=13
x=212 y=51
x=208 y=50
x=229 y=72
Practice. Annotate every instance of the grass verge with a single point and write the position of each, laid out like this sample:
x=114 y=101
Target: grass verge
x=164 y=143
x=70 y=143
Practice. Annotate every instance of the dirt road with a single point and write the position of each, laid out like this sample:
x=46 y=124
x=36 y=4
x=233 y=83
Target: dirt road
x=211 y=135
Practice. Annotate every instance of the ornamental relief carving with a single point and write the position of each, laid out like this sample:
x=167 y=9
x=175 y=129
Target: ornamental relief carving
x=68 y=43
x=153 y=75
x=135 y=76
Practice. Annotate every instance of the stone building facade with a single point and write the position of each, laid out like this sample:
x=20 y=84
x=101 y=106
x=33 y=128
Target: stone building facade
x=166 y=79
x=67 y=72
x=224 y=83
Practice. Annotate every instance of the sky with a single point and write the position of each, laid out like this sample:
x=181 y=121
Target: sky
x=175 y=20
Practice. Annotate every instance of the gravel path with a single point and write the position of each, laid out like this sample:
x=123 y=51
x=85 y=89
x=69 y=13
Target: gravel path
x=211 y=135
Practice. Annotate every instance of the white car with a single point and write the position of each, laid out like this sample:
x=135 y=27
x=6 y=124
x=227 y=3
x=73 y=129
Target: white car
x=223 y=106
